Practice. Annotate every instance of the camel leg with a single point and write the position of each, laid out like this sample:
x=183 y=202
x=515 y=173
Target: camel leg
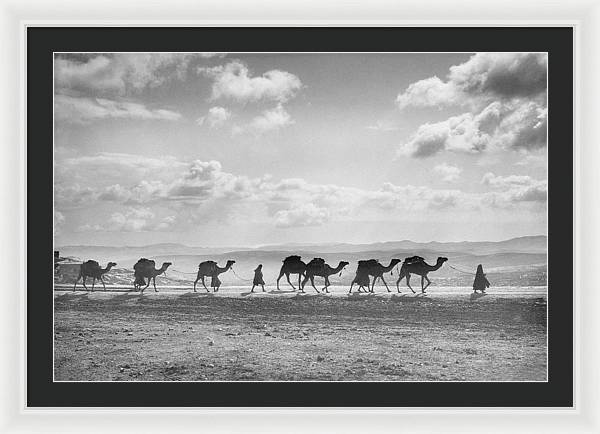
x=154 y=283
x=401 y=276
x=84 y=279
x=300 y=277
x=263 y=287
x=195 y=282
x=327 y=284
x=288 y=279
x=304 y=281
x=252 y=290
x=312 y=282
x=385 y=284
x=428 y=282
x=93 y=283
x=373 y=285
x=102 y=280
x=204 y=284
x=408 y=283
x=76 y=282
x=280 y=275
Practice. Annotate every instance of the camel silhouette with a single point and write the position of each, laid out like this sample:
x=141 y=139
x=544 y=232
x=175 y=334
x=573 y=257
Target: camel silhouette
x=207 y=269
x=92 y=269
x=318 y=267
x=372 y=267
x=144 y=269
x=417 y=265
x=292 y=265
x=215 y=282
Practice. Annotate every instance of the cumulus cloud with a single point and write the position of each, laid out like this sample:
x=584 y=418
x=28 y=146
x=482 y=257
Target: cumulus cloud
x=484 y=77
x=59 y=221
x=515 y=188
x=521 y=126
x=215 y=118
x=200 y=189
x=131 y=220
x=83 y=110
x=447 y=172
x=235 y=81
x=120 y=74
x=268 y=120
x=301 y=215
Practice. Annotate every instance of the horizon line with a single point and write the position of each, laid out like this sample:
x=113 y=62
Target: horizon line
x=258 y=246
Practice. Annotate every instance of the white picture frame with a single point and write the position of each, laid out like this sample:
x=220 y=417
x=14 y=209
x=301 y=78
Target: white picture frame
x=583 y=16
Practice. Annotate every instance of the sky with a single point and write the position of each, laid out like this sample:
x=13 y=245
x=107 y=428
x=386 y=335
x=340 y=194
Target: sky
x=238 y=149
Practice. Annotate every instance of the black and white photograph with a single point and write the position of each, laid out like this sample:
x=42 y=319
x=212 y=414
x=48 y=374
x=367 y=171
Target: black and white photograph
x=300 y=216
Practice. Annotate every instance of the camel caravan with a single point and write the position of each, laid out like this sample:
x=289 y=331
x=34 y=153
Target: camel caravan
x=368 y=272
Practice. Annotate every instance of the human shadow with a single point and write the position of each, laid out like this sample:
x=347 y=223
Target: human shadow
x=475 y=296
x=280 y=291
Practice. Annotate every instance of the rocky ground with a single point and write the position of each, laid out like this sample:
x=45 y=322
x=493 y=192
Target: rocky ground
x=185 y=336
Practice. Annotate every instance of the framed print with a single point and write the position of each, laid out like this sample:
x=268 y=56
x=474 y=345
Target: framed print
x=162 y=160
x=270 y=217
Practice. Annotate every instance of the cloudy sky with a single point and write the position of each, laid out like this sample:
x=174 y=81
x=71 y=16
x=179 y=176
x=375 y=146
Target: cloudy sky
x=216 y=149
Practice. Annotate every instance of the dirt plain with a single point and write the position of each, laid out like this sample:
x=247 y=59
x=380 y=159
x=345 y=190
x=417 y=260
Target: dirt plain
x=278 y=336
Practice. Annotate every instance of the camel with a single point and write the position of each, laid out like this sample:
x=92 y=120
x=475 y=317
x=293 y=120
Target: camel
x=206 y=269
x=215 y=283
x=144 y=268
x=292 y=265
x=318 y=267
x=91 y=268
x=372 y=267
x=417 y=265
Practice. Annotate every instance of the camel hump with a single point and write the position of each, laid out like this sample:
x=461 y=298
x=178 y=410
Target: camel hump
x=205 y=263
x=368 y=262
x=91 y=263
x=143 y=263
x=292 y=258
x=413 y=260
x=317 y=261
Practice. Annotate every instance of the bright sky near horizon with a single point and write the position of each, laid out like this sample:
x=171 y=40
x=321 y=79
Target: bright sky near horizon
x=216 y=149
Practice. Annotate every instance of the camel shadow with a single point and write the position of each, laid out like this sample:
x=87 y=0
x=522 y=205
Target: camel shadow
x=360 y=295
x=125 y=296
x=72 y=296
x=474 y=296
x=192 y=295
x=280 y=291
x=304 y=296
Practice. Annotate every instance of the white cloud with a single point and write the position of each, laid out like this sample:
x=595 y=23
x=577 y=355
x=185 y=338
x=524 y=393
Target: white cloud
x=449 y=173
x=382 y=126
x=120 y=74
x=59 y=221
x=131 y=220
x=270 y=120
x=301 y=215
x=481 y=79
x=83 y=110
x=515 y=188
x=197 y=191
x=516 y=125
x=215 y=118
x=234 y=81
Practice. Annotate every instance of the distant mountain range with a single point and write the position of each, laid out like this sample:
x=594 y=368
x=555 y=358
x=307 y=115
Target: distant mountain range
x=531 y=244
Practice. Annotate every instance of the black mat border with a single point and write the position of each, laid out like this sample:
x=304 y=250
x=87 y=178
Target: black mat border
x=42 y=41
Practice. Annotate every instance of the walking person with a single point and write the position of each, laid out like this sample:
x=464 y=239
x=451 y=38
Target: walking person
x=258 y=278
x=480 y=282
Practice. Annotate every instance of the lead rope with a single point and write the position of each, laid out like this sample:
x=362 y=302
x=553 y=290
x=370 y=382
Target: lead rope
x=465 y=272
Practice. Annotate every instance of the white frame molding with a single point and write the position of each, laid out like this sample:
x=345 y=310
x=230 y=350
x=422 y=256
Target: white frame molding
x=583 y=15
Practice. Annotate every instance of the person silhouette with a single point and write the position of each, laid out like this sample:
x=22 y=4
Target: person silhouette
x=258 y=278
x=480 y=282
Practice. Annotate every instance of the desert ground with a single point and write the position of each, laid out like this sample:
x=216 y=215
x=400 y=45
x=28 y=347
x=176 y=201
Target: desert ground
x=179 y=335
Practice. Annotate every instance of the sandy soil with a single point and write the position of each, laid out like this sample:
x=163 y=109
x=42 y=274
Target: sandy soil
x=180 y=335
